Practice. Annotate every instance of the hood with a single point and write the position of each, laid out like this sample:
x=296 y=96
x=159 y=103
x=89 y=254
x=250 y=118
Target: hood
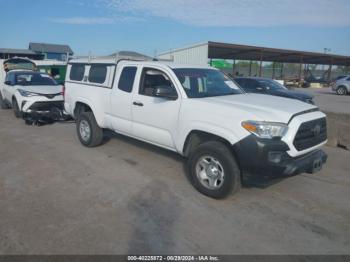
x=293 y=94
x=45 y=90
x=262 y=107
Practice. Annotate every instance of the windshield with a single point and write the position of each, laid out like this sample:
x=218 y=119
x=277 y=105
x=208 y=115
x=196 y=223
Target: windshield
x=205 y=82
x=271 y=84
x=34 y=79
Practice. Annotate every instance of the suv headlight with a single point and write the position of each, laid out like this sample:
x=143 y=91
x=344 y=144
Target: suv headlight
x=265 y=129
x=26 y=93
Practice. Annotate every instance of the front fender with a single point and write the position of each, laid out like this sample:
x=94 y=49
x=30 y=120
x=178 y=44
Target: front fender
x=224 y=133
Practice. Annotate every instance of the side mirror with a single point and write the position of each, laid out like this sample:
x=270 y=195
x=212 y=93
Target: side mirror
x=8 y=83
x=167 y=92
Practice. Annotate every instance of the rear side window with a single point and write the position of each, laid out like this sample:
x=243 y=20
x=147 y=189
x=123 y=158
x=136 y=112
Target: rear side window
x=240 y=81
x=127 y=78
x=98 y=74
x=77 y=72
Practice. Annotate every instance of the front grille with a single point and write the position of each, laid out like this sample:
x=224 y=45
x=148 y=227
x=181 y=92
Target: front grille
x=46 y=106
x=311 y=134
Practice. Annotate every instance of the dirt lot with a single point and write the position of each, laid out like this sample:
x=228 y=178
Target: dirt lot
x=57 y=197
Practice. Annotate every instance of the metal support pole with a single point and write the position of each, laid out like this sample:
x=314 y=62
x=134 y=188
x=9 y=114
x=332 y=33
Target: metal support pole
x=250 y=68
x=330 y=72
x=282 y=66
x=260 y=68
x=233 y=67
x=273 y=70
x=300 y=70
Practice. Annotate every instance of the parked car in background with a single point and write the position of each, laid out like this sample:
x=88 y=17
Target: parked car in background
x=31 y=93
x=271 y=87
x=225 y=134
x=342 y=85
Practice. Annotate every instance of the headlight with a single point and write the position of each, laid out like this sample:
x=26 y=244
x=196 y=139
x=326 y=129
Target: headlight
x=265 y=129
x=26 y=93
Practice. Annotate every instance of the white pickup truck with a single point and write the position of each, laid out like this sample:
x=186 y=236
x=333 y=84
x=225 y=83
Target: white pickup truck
x=226 y=135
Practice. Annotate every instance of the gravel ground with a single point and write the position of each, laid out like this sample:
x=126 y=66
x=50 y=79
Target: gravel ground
x=57 y=197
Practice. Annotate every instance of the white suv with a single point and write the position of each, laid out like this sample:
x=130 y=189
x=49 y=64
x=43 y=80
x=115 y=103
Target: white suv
x=31 y=94
x=225 y=134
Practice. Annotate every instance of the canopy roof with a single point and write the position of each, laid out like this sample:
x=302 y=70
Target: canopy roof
x=218 y=50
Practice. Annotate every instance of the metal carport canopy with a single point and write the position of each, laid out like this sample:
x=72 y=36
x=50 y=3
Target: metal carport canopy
x=218 y=50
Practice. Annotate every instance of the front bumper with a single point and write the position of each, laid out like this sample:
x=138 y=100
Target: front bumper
x=45 y=111
x=264 y=157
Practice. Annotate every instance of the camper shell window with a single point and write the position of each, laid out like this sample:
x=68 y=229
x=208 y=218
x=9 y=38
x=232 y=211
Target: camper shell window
x=77 y=72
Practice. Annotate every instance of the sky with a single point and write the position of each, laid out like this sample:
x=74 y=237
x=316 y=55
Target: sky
x=102 y=27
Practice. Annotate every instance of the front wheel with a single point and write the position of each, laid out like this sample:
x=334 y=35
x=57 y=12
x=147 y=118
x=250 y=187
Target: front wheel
x=342 y=91
x=17 y=112
x=213 y=170
x=89 y=133
x=3 y=104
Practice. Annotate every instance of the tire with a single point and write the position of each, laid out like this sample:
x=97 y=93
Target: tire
x=89 y=133
x=342 y=91
x=3 y=104
x=219 y=162
x=17 y=112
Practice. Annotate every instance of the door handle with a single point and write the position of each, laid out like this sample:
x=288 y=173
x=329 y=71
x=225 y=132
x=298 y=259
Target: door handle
x=137 y=104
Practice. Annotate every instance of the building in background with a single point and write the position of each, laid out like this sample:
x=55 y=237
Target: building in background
x=6 y=53
x=52 y=51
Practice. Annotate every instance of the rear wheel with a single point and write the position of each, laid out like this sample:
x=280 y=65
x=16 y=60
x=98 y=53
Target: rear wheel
x=89 y=133
x=342 y=91
x=213 y=170
x=16 y=109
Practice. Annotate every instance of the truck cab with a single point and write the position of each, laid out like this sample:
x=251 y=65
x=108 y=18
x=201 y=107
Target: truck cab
x=225 y=134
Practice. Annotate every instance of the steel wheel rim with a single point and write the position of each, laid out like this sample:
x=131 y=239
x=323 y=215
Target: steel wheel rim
x=84 y=130
x=210 y=172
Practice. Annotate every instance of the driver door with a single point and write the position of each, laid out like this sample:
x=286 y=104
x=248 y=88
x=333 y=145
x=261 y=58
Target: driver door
x=155 y=118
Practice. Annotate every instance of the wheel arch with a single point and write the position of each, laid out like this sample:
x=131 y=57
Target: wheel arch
x=196 y=137
x=83 y=105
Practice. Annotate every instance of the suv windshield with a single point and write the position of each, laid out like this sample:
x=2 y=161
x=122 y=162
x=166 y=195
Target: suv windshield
x=206 y=82
x=34 y=79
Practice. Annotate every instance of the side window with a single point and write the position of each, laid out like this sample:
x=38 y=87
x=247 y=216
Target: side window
x=241 y=82
x=348 y=79
x=252 y=84
x=127 y=78
x=77 y=72
x=10 y=77
x=152 y=79
x=7 y=77
x=98 y=74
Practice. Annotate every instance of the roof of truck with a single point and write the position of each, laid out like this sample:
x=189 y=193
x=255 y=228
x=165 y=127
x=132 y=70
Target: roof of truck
x=133 y=60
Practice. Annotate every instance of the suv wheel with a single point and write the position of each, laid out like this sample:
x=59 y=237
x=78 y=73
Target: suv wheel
x=213 y=170
x=342 y=91
x=3 y=104
x=89 y=133
x=16 y=110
